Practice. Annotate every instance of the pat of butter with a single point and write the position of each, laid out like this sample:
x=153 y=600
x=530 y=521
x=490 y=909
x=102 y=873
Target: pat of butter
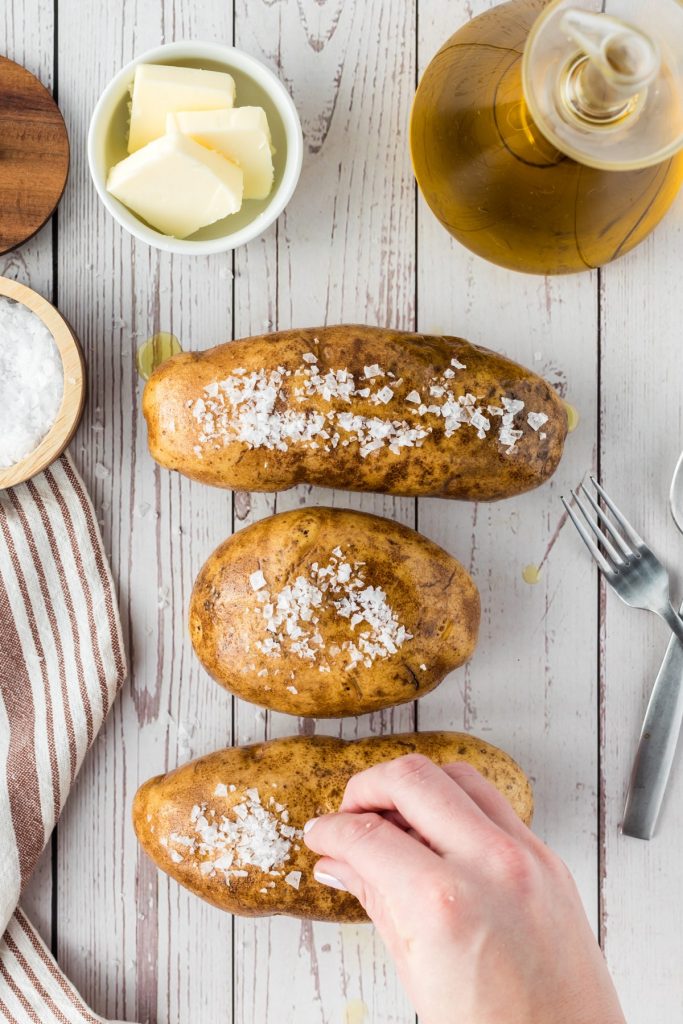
x=177 y=186
x=159 y=89
x=241 y=134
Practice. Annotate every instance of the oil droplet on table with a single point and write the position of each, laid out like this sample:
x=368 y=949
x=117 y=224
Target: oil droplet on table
x=155 y=351
x=572 y=417
x=531 y=574
x=356 y=1012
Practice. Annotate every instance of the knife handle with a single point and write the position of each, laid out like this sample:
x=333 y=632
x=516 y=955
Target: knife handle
x=656 y=747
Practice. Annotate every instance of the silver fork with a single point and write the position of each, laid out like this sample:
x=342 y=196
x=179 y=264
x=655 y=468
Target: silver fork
x=641 y=581
x=636 y=575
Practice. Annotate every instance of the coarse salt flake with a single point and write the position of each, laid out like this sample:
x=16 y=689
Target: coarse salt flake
x=257 y=580
x=373 y=371
x=384 y=395
x=536 y=420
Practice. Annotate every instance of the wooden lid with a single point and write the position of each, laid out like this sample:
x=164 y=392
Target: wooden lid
x=34 y=155
x=73 y=399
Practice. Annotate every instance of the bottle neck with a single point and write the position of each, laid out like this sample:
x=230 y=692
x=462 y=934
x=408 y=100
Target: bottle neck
x=586 y=96
x=607 y=81
x=600 y=88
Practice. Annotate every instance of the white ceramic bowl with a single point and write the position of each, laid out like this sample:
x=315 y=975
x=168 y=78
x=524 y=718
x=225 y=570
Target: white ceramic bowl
x=256 y=86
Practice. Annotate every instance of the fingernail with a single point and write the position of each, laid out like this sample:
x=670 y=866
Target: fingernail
x=309 y=825
x=325 y=879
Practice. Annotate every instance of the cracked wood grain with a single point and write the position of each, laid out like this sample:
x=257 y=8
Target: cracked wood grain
x=346 y=249
x=642 y=435
x=27 y=37
x=135 y=944
x=530 y=686
x=342 y=252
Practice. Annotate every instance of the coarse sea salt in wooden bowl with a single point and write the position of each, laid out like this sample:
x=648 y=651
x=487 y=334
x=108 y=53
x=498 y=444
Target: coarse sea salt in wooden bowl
x=52 y=427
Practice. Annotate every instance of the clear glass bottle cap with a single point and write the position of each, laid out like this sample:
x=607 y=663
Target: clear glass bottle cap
x=603 y=80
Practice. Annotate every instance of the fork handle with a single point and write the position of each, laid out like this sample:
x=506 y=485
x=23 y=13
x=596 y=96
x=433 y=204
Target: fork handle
x=674 y=621
x=657 y=744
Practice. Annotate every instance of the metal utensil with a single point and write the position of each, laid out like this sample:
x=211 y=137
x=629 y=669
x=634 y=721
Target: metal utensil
x=628 y=565
x=663 y=718
x=676 y=494
x=642 y=582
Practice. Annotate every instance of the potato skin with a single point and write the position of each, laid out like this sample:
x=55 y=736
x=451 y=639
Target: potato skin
x=308 y=776
x=460 y=466
x=431 y=594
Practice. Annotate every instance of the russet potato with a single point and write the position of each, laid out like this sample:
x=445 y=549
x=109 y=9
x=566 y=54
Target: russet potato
x=355 y=408
x=327 y=612
x=228 y=826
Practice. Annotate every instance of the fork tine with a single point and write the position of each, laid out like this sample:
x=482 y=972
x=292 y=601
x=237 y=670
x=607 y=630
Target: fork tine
x=619 y=516
x=588 y=541
x=611 y=551
x=609 y=525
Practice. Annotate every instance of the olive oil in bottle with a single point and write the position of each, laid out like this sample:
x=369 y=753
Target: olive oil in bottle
x=546 y=136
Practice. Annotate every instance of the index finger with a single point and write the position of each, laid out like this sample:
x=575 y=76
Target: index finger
x=384 y=857
x=426 y=798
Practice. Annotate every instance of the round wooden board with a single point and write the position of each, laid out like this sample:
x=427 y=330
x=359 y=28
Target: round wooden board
x=34 y=155
x=73 y=399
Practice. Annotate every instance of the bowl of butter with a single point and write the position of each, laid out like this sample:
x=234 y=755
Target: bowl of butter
x=195 y=148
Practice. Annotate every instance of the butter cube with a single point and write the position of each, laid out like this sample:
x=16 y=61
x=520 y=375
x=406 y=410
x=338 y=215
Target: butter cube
x=177 y=186
x=241 y=134
x=158 y=89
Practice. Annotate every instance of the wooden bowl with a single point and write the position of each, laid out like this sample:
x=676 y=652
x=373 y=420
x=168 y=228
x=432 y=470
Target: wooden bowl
x=34 y=155
x=73 y=399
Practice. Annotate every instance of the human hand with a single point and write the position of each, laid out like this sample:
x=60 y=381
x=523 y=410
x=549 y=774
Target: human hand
x=483 y=920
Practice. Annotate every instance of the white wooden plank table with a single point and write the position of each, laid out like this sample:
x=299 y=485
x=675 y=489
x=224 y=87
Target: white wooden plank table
x=562 y=672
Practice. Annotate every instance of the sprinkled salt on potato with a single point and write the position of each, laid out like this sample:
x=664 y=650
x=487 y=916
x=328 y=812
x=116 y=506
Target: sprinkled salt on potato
x=356 y=408
x=229 y=826
x=326 y=612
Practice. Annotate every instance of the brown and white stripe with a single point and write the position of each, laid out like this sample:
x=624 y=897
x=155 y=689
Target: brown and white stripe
x=32 y=987
x=61 y=665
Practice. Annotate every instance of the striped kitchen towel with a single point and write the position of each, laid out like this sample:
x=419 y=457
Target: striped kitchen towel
x=61 y=665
